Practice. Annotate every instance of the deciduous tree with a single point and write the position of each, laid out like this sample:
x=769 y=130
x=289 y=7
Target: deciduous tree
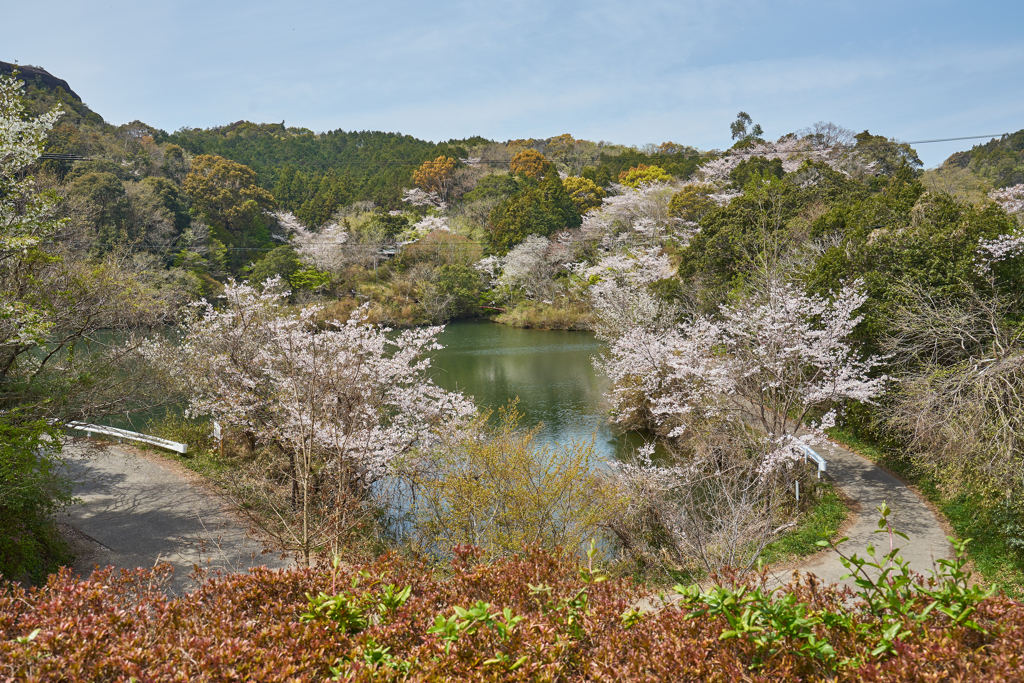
x=328 y=409
x=735 y=391
x=643 y=174
x=225 y=193
x=529 y=163
x=436 y=176
x=585 y=193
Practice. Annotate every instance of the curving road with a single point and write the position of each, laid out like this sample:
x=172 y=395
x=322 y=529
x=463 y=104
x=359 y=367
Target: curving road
x=138 y=509
x=867 y=485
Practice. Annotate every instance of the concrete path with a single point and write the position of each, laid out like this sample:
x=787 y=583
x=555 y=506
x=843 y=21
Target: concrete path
x=137 y=509
x=868 y=486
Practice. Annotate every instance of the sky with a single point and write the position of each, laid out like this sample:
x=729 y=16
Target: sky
x=625 y=72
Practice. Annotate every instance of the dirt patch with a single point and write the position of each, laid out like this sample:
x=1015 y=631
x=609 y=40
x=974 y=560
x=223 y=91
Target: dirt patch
x=87 y=551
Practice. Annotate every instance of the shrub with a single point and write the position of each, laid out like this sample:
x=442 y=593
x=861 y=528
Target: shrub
x=31 y=489
x=560 y=315
x=453 y=293
x=536 y=616
x=497 y=488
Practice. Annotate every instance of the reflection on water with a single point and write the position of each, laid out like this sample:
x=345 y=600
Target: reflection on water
x=550 y=371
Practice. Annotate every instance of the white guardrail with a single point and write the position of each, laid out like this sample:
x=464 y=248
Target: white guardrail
x=130 y=436
x=818 y=460
x=813 y=455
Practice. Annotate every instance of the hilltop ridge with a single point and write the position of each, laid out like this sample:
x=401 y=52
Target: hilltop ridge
x=37 y=76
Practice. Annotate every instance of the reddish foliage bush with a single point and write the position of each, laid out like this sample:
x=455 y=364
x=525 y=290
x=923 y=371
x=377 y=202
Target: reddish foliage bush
x=115 y=626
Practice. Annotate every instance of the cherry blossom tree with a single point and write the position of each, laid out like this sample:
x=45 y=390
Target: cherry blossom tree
x=819 y=144
x=1011 y=245
x=419 y=197
x=1010 y=199
x=490 y=268
x=733 y=394
x=26 y=219
x=619 y=294
x=529 y=268
x=327 y=409
x=615 y=219
x=53 y=297
x=429 y=224
x=770 y=361
x=998 y=249
x=328 y=248
x=621 y=308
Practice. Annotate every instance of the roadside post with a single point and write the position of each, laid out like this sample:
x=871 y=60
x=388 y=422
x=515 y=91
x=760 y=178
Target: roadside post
x=218 y=435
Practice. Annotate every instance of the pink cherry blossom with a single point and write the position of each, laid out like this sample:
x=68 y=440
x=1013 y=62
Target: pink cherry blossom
x=354 y=392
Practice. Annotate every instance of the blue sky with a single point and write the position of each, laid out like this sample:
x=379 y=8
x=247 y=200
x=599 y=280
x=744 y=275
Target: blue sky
x=624 y=72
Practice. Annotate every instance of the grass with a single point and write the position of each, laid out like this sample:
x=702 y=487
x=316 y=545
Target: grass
x=993 y=558
x=821 y=522
x=207 y=463
x=202 y=457
x=555 y=316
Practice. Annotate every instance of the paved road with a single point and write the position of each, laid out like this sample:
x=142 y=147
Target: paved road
x=137 y=509
x=868 y=486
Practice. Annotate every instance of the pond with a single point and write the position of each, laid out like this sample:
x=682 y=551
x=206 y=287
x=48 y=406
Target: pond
x=550 y=371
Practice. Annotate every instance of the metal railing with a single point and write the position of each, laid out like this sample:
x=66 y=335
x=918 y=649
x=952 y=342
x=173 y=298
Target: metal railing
x=130 y=436
x=813 y=455
x=818 y=460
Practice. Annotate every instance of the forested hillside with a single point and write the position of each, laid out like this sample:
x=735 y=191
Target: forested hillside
x=999 y=161
x=313 y=174
x=752 y=302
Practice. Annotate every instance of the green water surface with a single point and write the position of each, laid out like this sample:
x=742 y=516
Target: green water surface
x=550 y=371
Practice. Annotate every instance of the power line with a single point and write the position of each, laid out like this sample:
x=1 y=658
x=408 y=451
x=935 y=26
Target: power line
x=465 y=245
x=965 y=137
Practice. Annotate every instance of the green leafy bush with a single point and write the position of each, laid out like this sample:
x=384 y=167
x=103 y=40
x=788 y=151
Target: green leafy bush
x=31 y=489
x=537 y=616
x=893 y=603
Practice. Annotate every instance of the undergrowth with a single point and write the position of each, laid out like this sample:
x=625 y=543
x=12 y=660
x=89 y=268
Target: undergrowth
x=822 y=521
x=547 y=316
x=536 y=616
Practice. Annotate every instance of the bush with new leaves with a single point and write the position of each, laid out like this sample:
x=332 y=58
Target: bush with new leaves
x=644 y=174
x=529 y=163
x=496 y=487
x=536 y=616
